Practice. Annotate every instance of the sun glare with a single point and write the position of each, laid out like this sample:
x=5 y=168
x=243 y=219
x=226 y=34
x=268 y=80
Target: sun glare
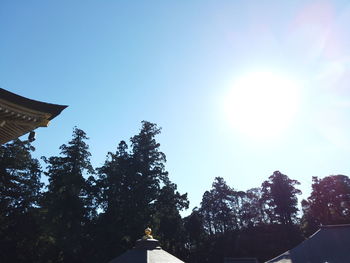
x=262 y=105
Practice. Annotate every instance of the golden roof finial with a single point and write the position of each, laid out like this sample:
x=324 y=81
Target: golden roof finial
x=148 y=232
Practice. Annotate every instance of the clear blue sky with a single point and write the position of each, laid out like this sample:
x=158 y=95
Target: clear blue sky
x=177 y=63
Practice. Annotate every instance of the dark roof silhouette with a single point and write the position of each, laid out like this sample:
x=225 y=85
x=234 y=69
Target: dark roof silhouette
x=19 y=115
x=329 y=244
x=146 y=250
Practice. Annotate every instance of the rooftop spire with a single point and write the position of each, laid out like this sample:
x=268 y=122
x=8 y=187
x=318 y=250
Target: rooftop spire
x=148 y=232
x=146 y=250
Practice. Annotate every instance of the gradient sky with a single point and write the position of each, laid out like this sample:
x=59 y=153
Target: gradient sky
x=116 y=63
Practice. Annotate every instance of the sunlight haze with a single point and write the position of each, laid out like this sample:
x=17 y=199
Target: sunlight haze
x=262 y=105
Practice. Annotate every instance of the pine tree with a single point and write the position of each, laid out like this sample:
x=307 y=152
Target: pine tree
x=20 y=192
x=280 y=195
x=116 y=181
x=149 y=172
x=167 y=220
x=220 y=207
x=135 y=192
x=67 y=204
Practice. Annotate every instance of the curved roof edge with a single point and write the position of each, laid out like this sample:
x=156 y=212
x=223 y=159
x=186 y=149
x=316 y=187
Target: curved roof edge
x=334 y=226
x=53 y=109
x=329 y=243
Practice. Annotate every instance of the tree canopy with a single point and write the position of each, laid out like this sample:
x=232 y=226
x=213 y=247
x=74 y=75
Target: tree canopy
x=92 y=214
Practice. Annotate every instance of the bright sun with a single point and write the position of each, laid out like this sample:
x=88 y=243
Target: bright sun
x=262 y=105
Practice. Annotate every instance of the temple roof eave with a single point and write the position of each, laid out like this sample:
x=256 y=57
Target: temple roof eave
x=20 y=115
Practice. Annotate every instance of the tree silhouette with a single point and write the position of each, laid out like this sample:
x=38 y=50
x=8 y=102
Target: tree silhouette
x=135 y=192
x=67 y=205
x=329 y=202
x=280 y=195
x=80 y=218
x=20 y=193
